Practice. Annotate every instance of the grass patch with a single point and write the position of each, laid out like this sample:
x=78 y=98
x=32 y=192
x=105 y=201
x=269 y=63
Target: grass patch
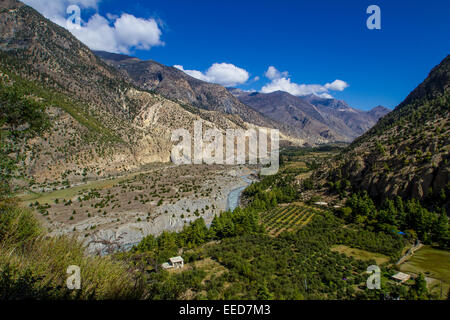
x=71 y=192
x=33 y=266
x=211 y=267
x=68 y=193
x=433 y=263
x=361 y=254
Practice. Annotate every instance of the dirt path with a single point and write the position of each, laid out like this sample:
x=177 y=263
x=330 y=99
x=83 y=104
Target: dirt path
x=409 y=253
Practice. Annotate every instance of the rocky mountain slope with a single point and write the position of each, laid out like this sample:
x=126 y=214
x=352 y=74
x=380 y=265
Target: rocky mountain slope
x=407 y=152
x=101 y=123
x=352 y=122
x=312 y=119
x=176 y=85
x=284 y=107
x=311 y=115
x=379 y=112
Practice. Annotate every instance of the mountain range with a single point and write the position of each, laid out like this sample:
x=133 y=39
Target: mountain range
x=101 y=122
x=176 y=85
x=331 y=119
x=112 y=112
x=311 y=118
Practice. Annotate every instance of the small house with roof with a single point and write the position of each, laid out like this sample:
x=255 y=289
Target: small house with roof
x=174 y=263
x=401 y=277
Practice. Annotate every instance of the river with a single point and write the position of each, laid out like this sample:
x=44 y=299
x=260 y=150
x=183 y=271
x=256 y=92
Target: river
x=233 y=200
x=234 y=196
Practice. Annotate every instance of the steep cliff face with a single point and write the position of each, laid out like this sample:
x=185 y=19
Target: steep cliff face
x=407 y=152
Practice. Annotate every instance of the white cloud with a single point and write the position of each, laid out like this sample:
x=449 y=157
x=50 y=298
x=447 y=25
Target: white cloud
x=193 y=73
x=55 y=10
x=272 y=73
x=127 y=32
x=137 y=32
x=179 y=67
x=337 y=85
x=111 y=33
x=280 y=81
x=225 y=74
x=325 y=95
x=285 y=84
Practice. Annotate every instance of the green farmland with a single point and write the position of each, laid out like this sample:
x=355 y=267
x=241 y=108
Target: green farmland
x=434 y=263
x=288 y=218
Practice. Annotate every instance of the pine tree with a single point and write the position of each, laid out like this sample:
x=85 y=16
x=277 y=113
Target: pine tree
x=420 y=287
x=441 y=229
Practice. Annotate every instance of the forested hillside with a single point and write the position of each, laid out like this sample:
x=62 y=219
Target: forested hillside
x=407 y=152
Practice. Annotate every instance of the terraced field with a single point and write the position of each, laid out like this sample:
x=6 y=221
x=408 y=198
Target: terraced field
x=288 y=218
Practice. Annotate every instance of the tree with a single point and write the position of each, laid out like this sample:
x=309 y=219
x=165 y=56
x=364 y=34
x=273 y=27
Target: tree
x=441 y=229
x=20 y=117
x=346 y=213
x=263 y=292
x=420 y=287
x=149 y=243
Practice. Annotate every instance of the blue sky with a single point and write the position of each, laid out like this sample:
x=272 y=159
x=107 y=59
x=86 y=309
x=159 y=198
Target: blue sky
x=313 y=42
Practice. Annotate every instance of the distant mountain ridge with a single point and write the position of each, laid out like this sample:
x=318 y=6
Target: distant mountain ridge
x=379 y=112
x=311 y=118
x=179 y=86
x=329 y=118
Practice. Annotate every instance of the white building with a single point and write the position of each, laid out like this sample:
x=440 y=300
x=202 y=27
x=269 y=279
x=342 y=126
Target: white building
x=174 y=263
x=401 y=277
x=320 y=203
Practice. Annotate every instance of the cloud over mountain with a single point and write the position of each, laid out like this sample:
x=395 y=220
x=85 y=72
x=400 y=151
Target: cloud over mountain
x=225 y=74
x=272 y=73
x=280 y=81
x=118 y=34
x=337 y=85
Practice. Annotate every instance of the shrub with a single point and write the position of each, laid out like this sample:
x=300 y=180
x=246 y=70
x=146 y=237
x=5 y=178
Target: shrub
x=17 y=226
x=34 y=267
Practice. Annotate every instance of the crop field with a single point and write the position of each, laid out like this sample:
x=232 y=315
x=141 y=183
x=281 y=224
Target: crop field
x=289 y=218
x=431 y=262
